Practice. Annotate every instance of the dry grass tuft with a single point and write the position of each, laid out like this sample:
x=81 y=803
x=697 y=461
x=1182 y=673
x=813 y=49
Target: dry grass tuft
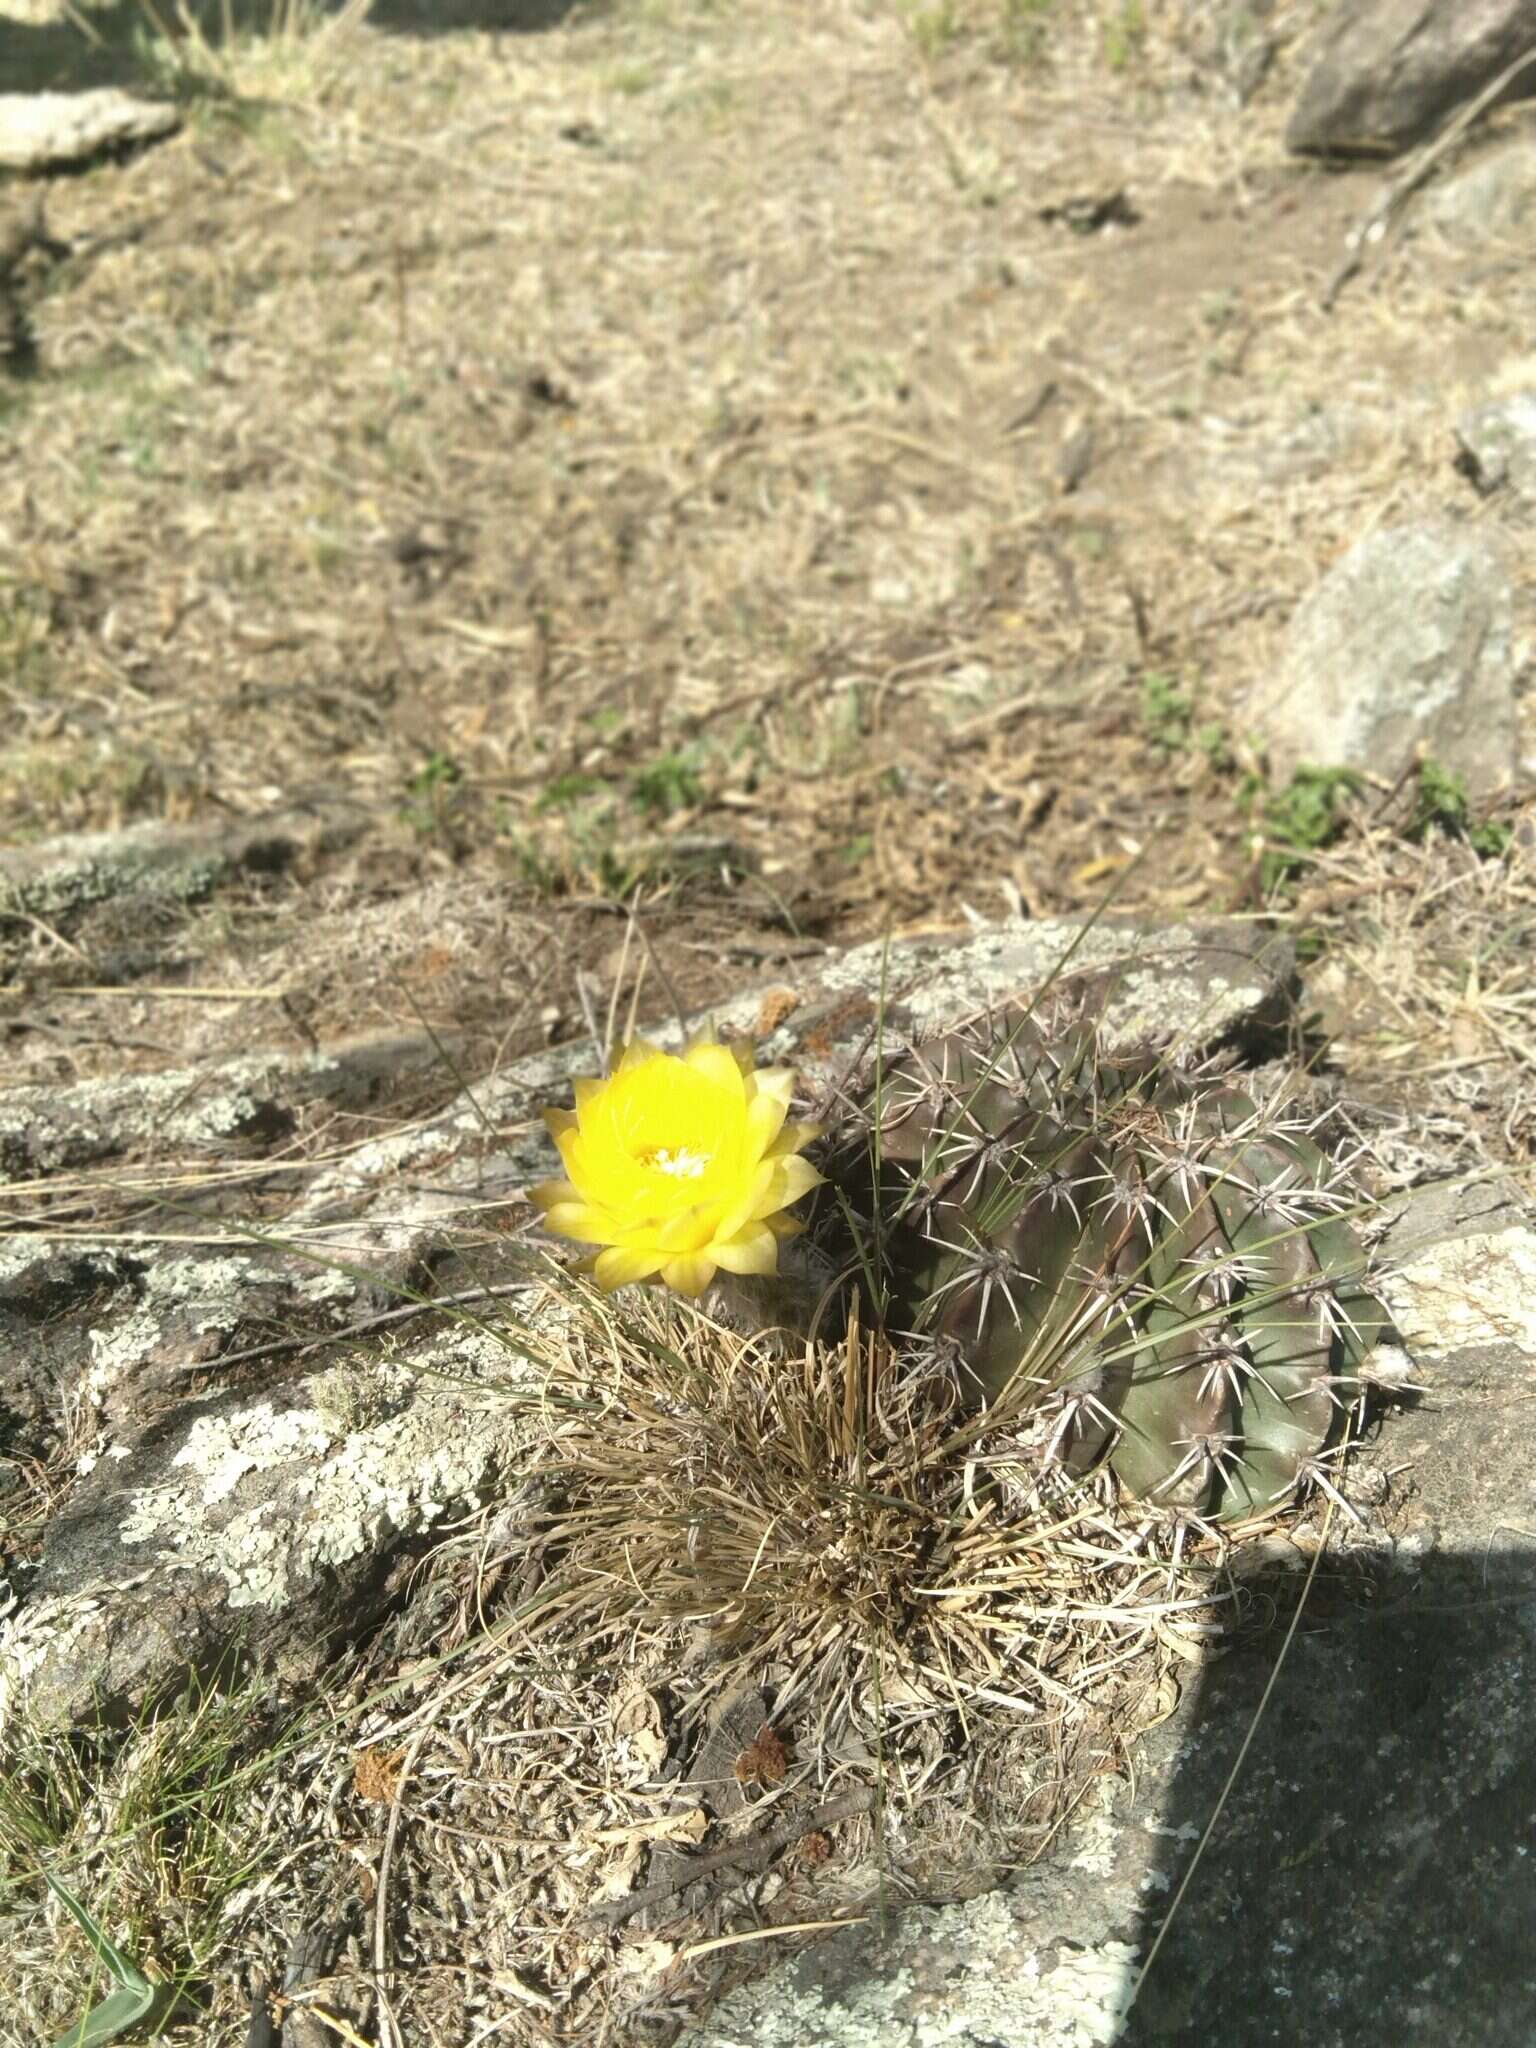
x=837 y=1513
x=1425 y=985
x=251 y=49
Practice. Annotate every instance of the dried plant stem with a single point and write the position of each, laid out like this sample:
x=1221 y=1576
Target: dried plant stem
x=754 y=1854
x=466 y=1298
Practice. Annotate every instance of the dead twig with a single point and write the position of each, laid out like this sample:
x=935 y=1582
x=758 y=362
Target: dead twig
x=388 y=2030
x=749 y=1856
x=361 y=1328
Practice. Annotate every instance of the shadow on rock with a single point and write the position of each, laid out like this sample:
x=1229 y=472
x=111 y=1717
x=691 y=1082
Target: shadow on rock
x=1373 y=1875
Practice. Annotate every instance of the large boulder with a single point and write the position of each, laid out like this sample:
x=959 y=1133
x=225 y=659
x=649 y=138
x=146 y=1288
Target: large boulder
x=1406 y=644
x=1490 y=199
x=1390 y=71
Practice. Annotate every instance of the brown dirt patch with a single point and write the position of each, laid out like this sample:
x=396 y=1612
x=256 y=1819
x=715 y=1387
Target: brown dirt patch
x=677 y=445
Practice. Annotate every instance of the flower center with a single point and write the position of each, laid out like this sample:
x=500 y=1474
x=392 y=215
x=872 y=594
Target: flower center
x=678 y=1161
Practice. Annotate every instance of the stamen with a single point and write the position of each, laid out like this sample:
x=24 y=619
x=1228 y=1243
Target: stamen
x=679 y=1161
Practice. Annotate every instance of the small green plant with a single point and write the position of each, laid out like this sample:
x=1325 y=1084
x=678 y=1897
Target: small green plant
x=432 y=793
x=1125 y=35
x=1167 y=712
x=1168 y=718
x=1022 y=29
x=1440 y=804
x=667 y=784
x=933 y=27
x=1299 y=820
x=562 y=791
x=1212 y=739
x=144 y=1834
x=440 y=772
x=121 y=2010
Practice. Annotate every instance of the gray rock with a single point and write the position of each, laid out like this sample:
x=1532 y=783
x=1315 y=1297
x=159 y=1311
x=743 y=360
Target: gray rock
x=263 y=1524
x=1195 y=987
x=1491 y=199
x=1232 y=41
x=1389 y=71
x=43 y=131
x=94 y=1337
x=1253 y=452
x=1406 y=643
x=1029 y=1967
x=48 y=1294
x=232 y=1104
x=1498 y=445
x=1370 y=1878
x=59 y=879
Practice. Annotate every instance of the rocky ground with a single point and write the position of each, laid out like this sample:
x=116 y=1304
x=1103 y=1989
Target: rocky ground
x=516 y=519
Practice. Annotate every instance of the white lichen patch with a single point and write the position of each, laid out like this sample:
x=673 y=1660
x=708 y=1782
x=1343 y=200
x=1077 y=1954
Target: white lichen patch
x=1094 y=1845
x=996 y=1988
x=1474 y=1290
x=508 y=1102
x=46 y=1632
x=44 y=1129
x=1158 y=999
x=217 y=1291
x=268 y=1497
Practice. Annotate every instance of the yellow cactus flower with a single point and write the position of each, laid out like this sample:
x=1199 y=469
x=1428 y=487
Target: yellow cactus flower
x=679 y=1165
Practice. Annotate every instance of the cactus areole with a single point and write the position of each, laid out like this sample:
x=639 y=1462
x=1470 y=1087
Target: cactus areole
x=1141 y=1266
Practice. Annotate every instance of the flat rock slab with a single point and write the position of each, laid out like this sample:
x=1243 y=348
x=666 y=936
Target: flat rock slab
x=44 y=131
x=1388 y=72
x=61 y=879
x=226 y=1106
x=263 y=1523
x=1407 y=643
x=1373 y=1877
x=1189 y=987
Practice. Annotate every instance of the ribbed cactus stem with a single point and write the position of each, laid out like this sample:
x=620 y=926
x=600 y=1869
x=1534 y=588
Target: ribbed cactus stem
x=1159 y=1266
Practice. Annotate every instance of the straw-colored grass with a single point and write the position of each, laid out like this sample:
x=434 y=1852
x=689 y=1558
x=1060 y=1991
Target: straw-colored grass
x=250 y=49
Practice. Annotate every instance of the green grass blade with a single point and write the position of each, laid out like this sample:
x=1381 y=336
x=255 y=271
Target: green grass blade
x=121 y=2009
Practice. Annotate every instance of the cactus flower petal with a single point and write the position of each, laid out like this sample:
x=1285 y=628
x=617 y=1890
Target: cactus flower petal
x=678 y=1166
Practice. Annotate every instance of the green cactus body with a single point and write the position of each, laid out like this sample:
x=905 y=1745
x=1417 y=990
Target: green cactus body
x=1148 y=1266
